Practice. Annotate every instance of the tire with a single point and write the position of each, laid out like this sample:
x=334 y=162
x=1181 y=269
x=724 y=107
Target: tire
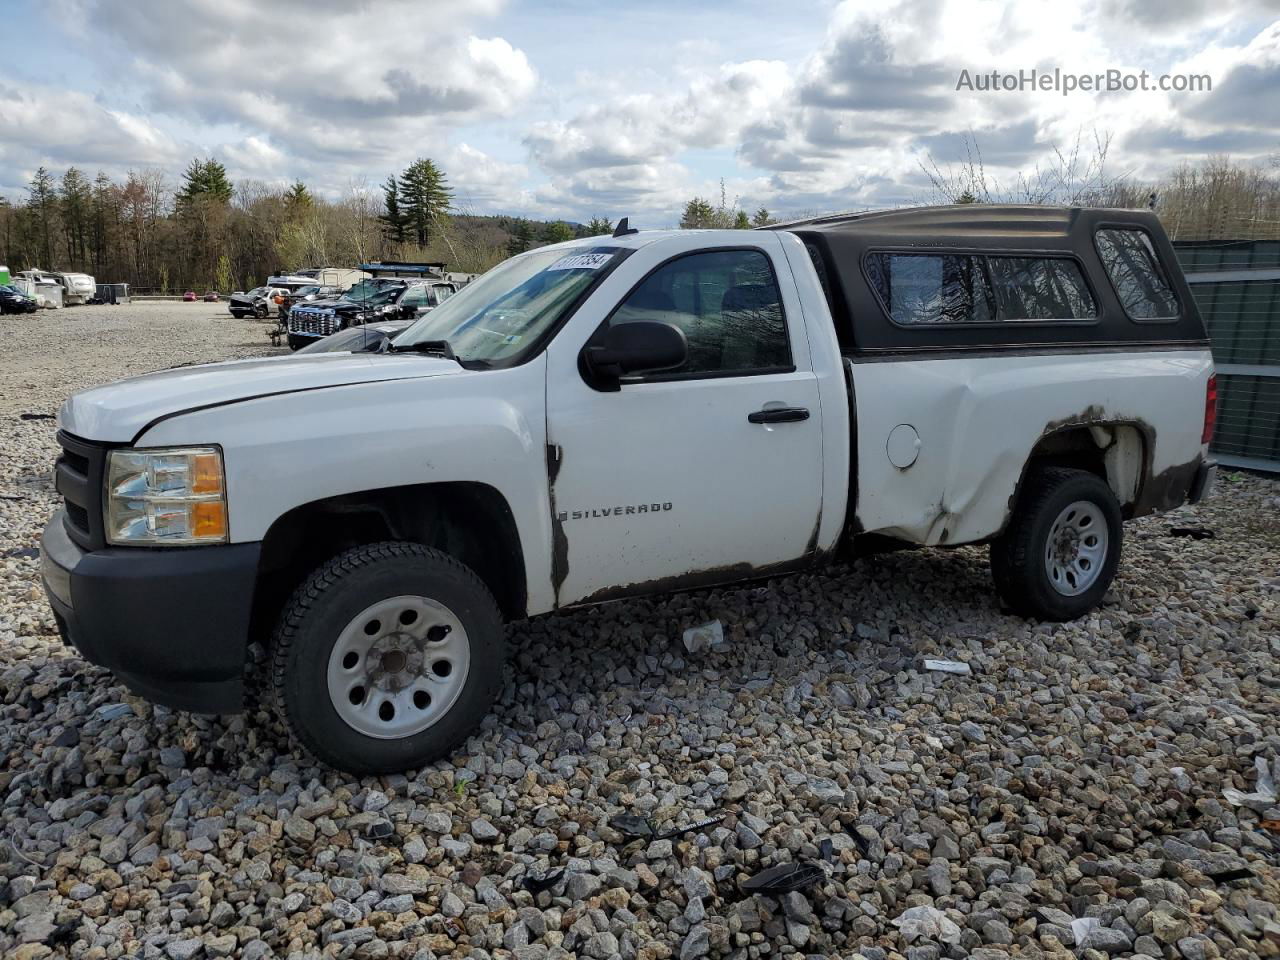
x=238 y=314
x=260 y=311
x=297 y=343
x=1040 y=581
x=313 y=661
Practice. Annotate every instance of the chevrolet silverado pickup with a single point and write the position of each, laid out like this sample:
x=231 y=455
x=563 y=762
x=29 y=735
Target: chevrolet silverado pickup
x=625 y=415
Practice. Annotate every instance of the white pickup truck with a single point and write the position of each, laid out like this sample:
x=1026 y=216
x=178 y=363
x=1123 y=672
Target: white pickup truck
x=624 y=415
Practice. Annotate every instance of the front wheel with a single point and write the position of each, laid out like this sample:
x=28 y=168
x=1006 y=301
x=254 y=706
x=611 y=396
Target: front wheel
x=387 y=658
x=260 y=311
x=1061 y=549
x=238 y=314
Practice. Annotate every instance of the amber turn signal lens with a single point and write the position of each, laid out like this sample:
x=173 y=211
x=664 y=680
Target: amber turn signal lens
x=208 y=520
x=206 y=473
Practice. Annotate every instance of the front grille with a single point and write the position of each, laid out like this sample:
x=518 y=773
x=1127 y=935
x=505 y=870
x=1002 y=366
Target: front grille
x=78 y=476
x=313 y=322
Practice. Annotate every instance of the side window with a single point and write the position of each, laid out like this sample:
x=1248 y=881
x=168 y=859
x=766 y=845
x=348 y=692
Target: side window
x=414 y=297
x=931 y=288
x=728 y=305
x=1136 y=274
x=1040 y=288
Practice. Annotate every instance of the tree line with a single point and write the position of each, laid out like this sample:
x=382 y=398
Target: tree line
x=207 y=232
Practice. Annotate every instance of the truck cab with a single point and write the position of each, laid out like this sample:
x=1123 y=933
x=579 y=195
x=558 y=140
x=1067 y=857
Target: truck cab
x=620 y=416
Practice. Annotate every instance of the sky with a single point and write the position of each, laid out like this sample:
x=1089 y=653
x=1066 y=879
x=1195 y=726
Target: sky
x=568 y=109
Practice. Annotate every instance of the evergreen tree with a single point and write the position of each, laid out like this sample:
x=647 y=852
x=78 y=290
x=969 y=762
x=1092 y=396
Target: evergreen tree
x=204 y=208
x=741 y=221
x=598 y=227
x=392 y=219
x=557 y=232
x=698 y=215
x=425 y=198
x=74 y=201
x=42 y=206
x=521 y=238
x=762 y=218
x=204 y=180
x=104 y=215
x=297 y=197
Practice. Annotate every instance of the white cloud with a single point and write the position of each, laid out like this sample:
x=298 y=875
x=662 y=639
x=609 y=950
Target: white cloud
x=60 y=128
x=328 y=90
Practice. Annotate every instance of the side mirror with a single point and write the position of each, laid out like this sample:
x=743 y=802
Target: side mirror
x=643 y=346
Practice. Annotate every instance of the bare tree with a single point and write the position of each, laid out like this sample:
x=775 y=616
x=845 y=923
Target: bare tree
x=359 y=228
x=1076 y=175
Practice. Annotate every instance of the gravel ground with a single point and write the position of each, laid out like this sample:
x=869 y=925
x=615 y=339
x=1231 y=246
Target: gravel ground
x=1064 y=798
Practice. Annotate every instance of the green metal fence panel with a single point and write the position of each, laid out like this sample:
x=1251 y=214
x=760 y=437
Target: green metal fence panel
x=1237 y=288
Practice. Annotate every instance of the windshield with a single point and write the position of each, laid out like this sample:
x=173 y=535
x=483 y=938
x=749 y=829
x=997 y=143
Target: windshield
x=367 y=289
x=377 y=297
x=499 y=314
x=306 y=291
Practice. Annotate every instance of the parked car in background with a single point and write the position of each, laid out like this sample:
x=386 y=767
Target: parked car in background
x=309 y=294
x=189 y=297
x=253 y=303
x=211 y=297
x=380 y=298
x=13 y=300
x=364 y=338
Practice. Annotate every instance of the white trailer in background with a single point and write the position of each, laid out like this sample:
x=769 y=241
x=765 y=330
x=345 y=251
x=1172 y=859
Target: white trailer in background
x=71 y=288
x=77 y=288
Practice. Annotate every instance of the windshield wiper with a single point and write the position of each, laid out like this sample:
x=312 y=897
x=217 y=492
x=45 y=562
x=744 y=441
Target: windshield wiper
x=434 y=348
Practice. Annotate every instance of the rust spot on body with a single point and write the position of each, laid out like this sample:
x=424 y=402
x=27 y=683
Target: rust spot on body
x=559 y=541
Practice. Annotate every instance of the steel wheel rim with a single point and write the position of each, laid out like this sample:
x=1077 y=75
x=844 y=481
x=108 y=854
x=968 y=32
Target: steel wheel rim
x=1076 y=550
x=398 y=666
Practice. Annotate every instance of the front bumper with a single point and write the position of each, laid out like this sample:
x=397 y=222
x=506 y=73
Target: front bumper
x=172 y=623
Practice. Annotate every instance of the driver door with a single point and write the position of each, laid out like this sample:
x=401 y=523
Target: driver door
x=711 y=472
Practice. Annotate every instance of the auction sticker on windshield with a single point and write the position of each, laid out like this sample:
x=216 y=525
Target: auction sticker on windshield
x=582 y=261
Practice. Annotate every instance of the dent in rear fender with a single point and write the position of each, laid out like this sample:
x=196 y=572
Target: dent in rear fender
x=980 y=418
x=480 y=426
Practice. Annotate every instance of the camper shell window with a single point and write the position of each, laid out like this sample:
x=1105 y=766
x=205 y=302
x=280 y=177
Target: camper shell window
x=960 y=279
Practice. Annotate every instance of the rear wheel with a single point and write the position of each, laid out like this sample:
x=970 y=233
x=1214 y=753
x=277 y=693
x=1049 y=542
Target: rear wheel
x=387 y=658
x=1062 y=547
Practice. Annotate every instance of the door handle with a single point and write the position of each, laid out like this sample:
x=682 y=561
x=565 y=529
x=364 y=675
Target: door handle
x=779 y=415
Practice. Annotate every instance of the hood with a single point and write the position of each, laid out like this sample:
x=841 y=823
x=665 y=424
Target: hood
x=119 y=412
x=344 y=305
x=322 y=303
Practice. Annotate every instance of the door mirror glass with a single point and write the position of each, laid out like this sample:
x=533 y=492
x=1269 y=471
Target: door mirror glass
x=642 y=346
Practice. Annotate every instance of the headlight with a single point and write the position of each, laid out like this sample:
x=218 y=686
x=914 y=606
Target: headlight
x=174 y=496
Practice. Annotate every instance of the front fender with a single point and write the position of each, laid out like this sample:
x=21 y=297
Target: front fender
x=480 y=427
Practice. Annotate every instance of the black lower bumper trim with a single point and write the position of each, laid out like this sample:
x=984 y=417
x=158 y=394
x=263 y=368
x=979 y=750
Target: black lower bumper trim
x=171 y=623
x=1202 y=485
